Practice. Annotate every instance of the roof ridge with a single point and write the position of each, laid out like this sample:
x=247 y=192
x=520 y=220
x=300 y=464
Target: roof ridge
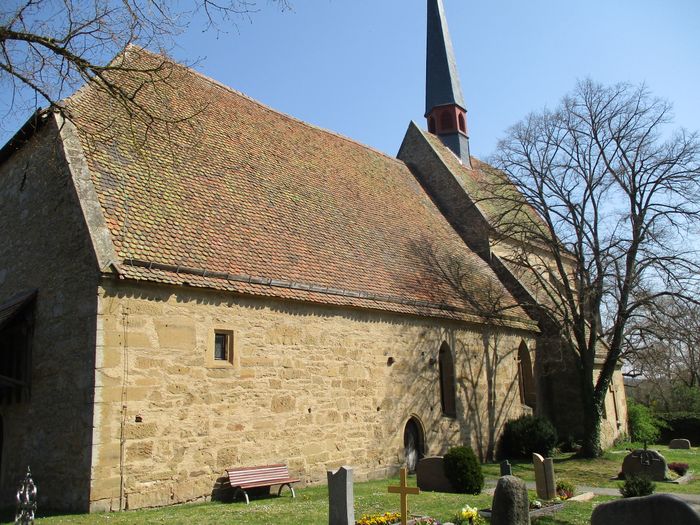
x=267 y=107
x=290 y=117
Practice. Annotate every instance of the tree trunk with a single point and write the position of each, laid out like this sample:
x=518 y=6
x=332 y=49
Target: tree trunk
x=590 y=448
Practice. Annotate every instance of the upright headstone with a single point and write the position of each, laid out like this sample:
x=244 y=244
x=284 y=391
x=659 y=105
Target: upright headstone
x=683 y=444
x=544 y=477
x=647 y=510
x=506 y=468
x=430 y=475
x=341 y=501
x=648 y=463
x=510 y=505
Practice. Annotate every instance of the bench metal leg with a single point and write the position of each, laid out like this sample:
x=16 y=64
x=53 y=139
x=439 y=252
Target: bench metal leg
x=279 y=492
x=247 y=501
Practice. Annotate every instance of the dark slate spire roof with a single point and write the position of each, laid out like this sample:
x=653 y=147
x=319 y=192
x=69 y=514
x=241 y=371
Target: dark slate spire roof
x=442 y=80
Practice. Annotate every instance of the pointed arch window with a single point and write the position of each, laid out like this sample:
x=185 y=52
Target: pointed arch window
x=526 y=381
x=447 y=381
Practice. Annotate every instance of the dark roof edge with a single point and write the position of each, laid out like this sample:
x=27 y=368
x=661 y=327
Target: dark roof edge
x=506 y=320
x=31 y=126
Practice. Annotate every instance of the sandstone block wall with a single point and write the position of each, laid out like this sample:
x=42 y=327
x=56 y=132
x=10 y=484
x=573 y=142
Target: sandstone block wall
x=45 y=246
x=310 y=386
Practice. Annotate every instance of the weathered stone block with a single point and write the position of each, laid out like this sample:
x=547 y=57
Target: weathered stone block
x=140 y=430
x=175 y=334
x=282 y=404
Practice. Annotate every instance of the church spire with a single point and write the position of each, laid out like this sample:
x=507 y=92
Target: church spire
x=444 y=103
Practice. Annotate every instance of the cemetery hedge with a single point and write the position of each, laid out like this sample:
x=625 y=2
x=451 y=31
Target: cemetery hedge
x=680 y=425
x=525 y=435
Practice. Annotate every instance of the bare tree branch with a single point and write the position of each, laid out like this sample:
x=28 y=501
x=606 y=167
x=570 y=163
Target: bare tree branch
x=49 y=48
x=612 y=195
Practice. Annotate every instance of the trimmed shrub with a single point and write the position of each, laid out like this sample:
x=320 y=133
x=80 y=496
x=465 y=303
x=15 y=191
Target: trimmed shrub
x=636 y=486
x=463 y=470
x=525 y=435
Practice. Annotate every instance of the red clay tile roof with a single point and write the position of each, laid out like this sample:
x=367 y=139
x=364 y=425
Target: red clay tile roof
x=236 y=190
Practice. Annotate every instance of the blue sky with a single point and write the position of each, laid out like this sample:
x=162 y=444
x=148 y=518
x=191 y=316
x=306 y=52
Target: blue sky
x=356 y=67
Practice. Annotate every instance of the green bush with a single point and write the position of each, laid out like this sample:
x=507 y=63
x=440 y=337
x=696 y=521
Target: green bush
x=644 y=427
x=636 y=486
x=525 y=435
x=463 y=470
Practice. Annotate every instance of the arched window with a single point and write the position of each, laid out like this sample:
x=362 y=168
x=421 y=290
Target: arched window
x=447 y=121
x=413 y=443
x=526 y=381
x=462 y=123
x=431 y=124
x=447 y=381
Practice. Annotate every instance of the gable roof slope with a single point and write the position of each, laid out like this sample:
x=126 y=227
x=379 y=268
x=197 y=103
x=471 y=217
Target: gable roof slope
x=210 y=188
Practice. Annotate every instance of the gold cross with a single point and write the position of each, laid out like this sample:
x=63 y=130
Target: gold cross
x=404 y=490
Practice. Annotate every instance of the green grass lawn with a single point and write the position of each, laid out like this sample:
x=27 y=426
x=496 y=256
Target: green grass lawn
x=597 y=472
x=311 y=505
x=309 y=508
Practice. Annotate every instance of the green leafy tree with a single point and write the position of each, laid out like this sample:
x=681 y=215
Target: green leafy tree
x=644 y=427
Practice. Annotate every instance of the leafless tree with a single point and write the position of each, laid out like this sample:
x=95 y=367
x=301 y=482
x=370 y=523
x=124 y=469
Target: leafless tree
x=50 y=47
x=664 y=349
x=609 y=198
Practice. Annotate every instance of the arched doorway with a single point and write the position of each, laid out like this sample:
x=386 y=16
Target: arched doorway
x=413 y=443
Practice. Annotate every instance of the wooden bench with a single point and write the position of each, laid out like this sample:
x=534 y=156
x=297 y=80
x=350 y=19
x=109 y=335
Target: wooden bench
x=243 y=478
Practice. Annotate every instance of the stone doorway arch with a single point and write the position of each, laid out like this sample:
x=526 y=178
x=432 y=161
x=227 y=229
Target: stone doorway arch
x=413 y=443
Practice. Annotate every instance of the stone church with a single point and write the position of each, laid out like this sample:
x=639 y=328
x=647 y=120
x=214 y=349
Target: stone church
x=208 y=283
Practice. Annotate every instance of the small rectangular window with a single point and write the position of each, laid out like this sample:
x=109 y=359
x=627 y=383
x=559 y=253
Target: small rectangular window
x=221 y=347
x=221 y=353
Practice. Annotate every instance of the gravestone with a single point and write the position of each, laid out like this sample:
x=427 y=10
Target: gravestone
x=683 y=444
x=544 y=477
x=341 y=500
x=510 y=505
x=430 y=475
x=648 y=463
x=506 y=468
x=646 y=510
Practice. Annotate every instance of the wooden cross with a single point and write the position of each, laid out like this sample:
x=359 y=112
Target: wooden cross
x=404 y=490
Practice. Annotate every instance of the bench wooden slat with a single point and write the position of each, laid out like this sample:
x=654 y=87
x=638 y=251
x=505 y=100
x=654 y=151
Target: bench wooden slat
x=242 y=478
